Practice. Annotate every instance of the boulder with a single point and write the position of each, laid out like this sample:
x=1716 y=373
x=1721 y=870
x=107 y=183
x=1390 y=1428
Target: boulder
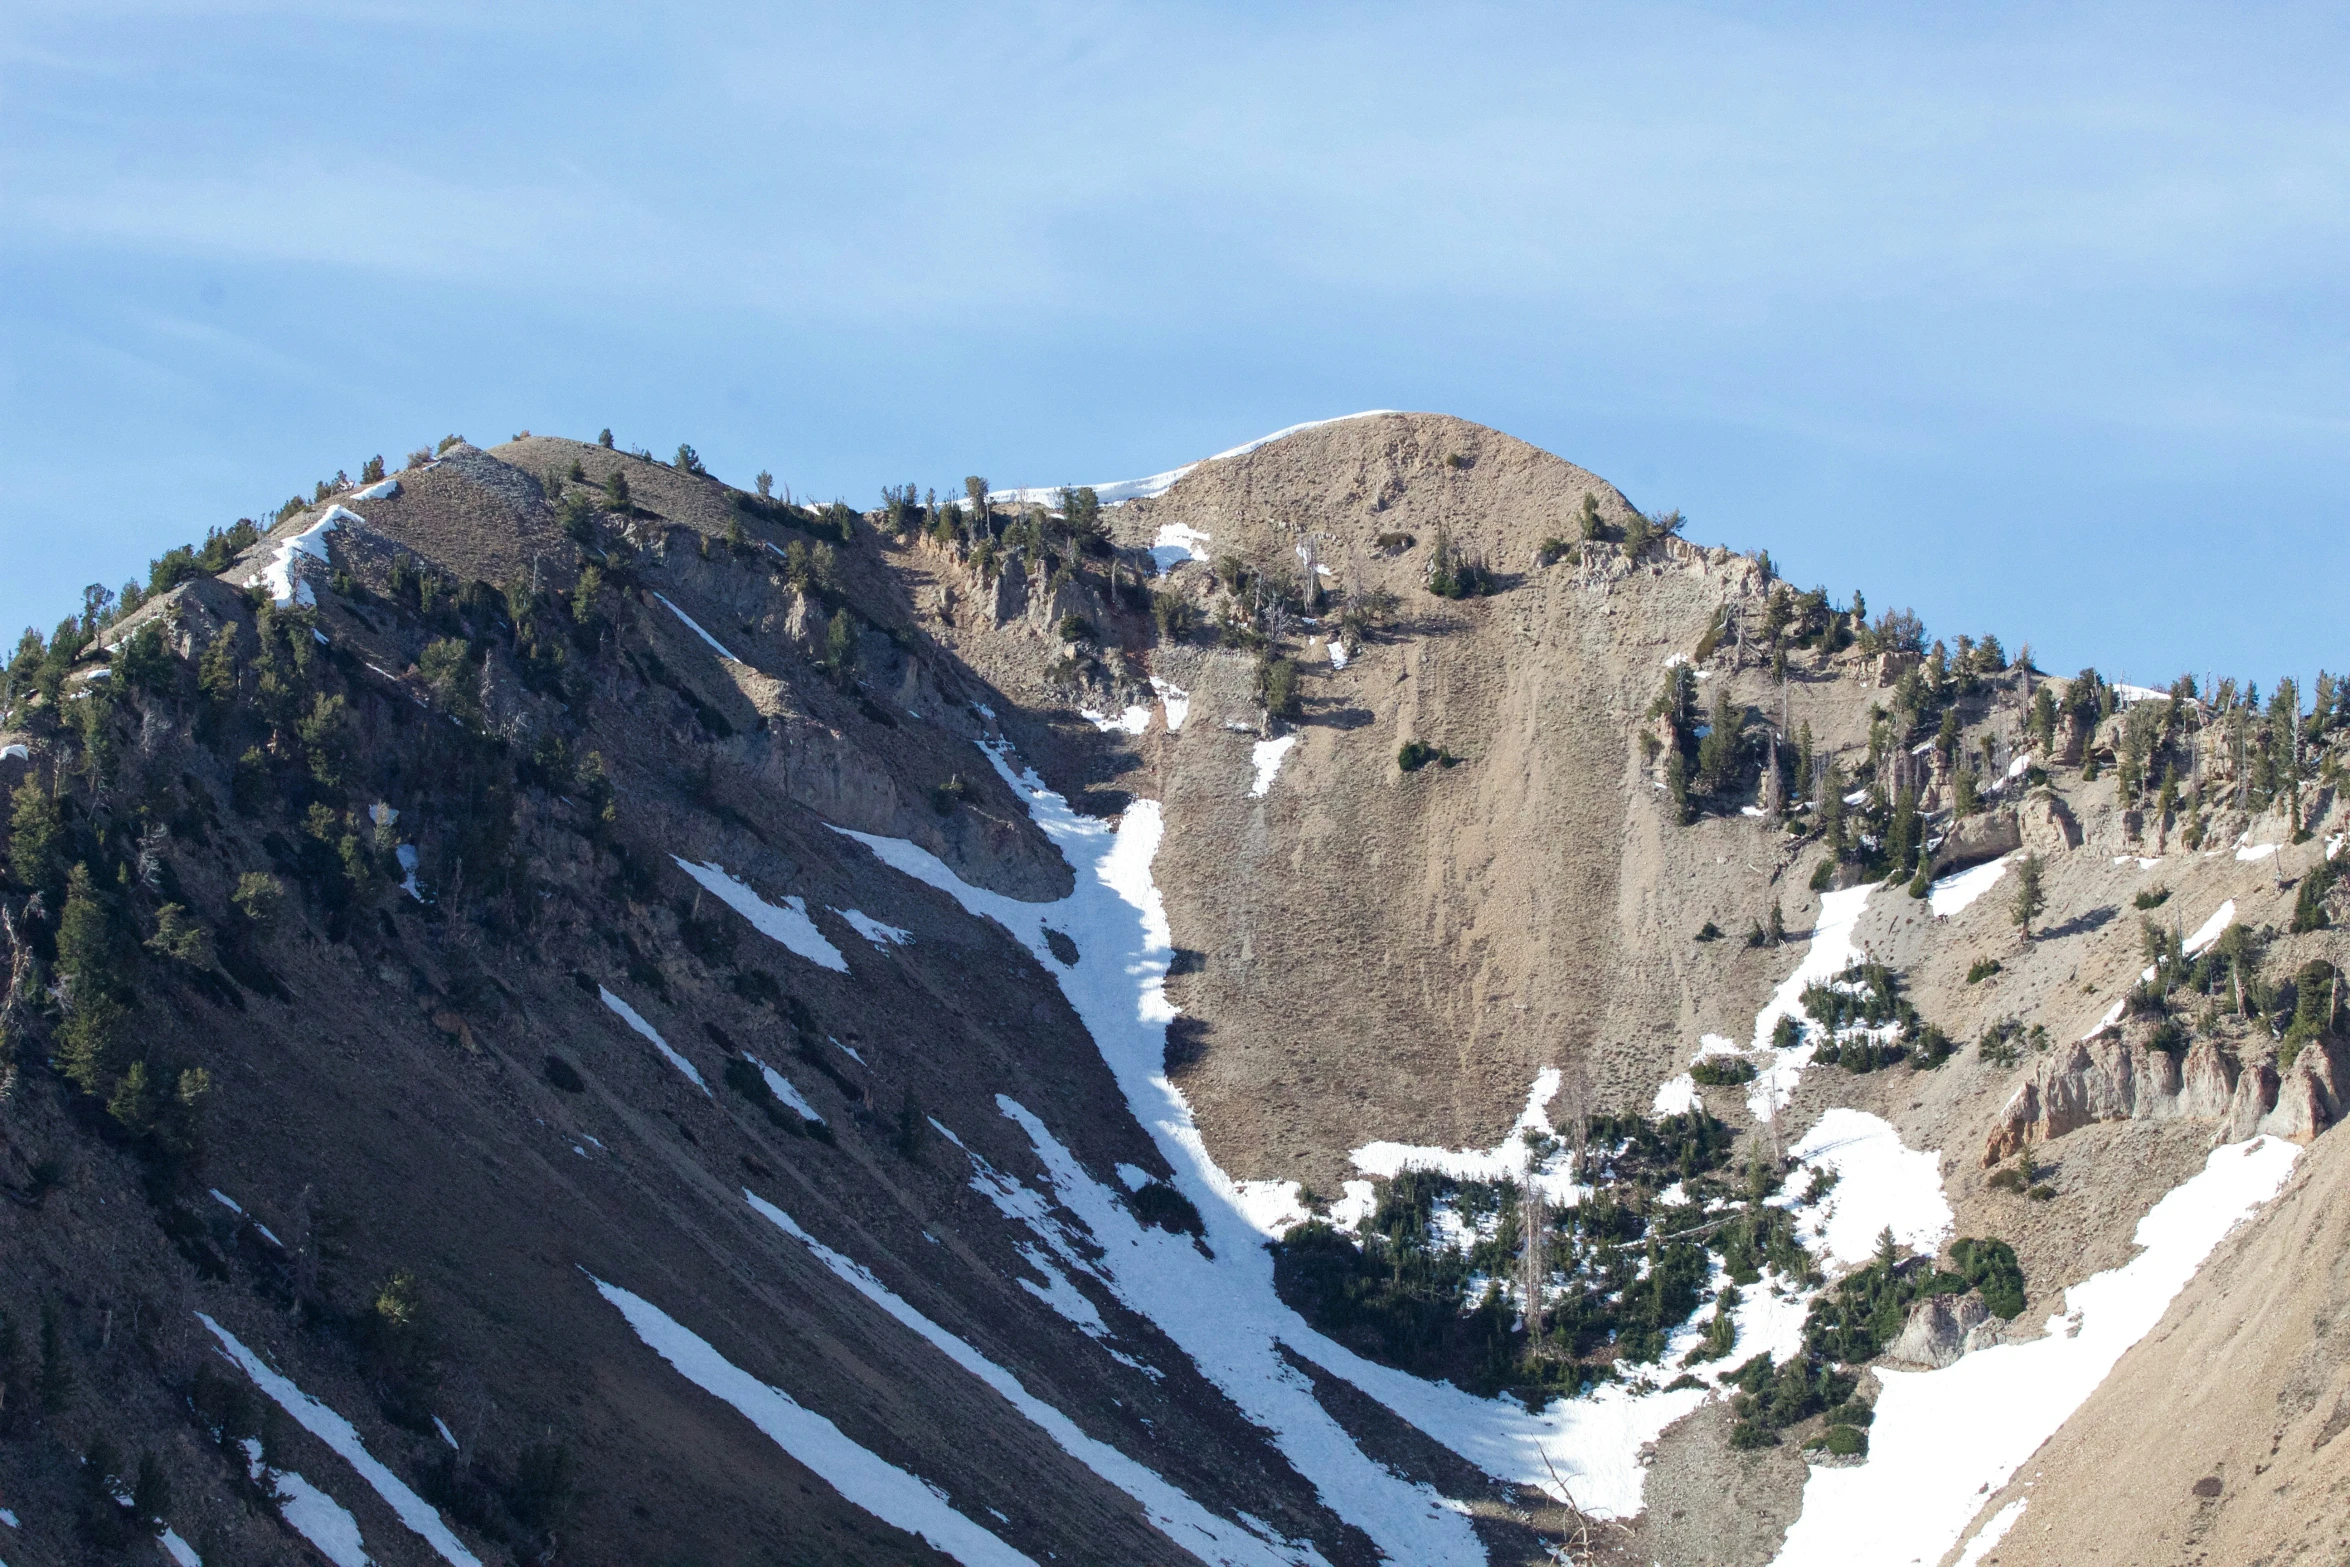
x=1971 y=840
x=1941 y=1328
x=2016 y=1125
x=2046 y=826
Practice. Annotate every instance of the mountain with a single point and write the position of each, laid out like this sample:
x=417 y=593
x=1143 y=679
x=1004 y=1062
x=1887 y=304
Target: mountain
x=563 y=1011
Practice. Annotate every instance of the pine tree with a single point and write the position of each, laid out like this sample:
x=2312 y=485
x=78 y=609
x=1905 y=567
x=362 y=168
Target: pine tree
x=2030 y=900
x=90 y=1039
x=36 y=833
x=1901 y=835
x=616 y=491
x=1717 y=753
x=2309 y=905
x=1832 y=807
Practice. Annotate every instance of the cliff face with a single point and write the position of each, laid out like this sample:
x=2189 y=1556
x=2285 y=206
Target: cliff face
x=785 y=1035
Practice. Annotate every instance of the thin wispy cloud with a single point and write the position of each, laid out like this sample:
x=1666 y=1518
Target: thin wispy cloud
x=1798 y=271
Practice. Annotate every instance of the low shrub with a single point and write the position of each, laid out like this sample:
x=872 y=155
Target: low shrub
x=1982 y=969
x=1163 y=1207
x=1722 y=1071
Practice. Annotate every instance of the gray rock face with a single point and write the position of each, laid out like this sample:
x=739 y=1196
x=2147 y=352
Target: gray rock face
x=2047 y=825
x=2116 y=1076
x=1971 y=841
x=1941 y=1328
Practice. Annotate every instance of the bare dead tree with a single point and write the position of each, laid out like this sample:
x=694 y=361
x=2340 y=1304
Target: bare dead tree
x=1533 y=1253
x=1574 y=1102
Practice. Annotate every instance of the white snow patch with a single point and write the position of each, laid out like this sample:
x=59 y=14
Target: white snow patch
x=2141 y=861
x=1272 y=1206
x=1831 y=952
x=1177 y=544
x=179 y=1550
x=320 y=1519
x=285 y=575
x=1943 y=1438
x=695 y=627
x=1191 y=1526
x=14 y=753
x=883 y=1489
x=380 y=490
x=1678 y=1096
x=1338 y=653
x=1953 y=893
x=1878 y=1183
x=1065 y=1298
x=2211 y=929
x=1176 y=699
x=338 y=1433
x=1512 y=1159
x=1221 y=1308
x=629 y=1015
x=1769 y=1317
x=784 y=1089
x=873 y=930
x=1159 y=483
x=1134 y=1175
x=407 y=856
x=1989 y=1536
x=2113 y=1015
x=2256 y=851
x=1355 y=1202
x=442 y=1426
x=1267 y=755
x=1751 y=810
x=1133 y=721
x=788 y=924
x=8 y=1518
x=226 y=1201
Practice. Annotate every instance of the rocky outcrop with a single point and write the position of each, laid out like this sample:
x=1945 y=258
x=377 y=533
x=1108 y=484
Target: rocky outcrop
x=1974 y=839
x=2046 y=826
x=2117 y=1075
x=1941 y=1328
x=2309 y=1093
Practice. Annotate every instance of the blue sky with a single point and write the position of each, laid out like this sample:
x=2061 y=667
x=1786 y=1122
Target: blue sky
x=2031 y=317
